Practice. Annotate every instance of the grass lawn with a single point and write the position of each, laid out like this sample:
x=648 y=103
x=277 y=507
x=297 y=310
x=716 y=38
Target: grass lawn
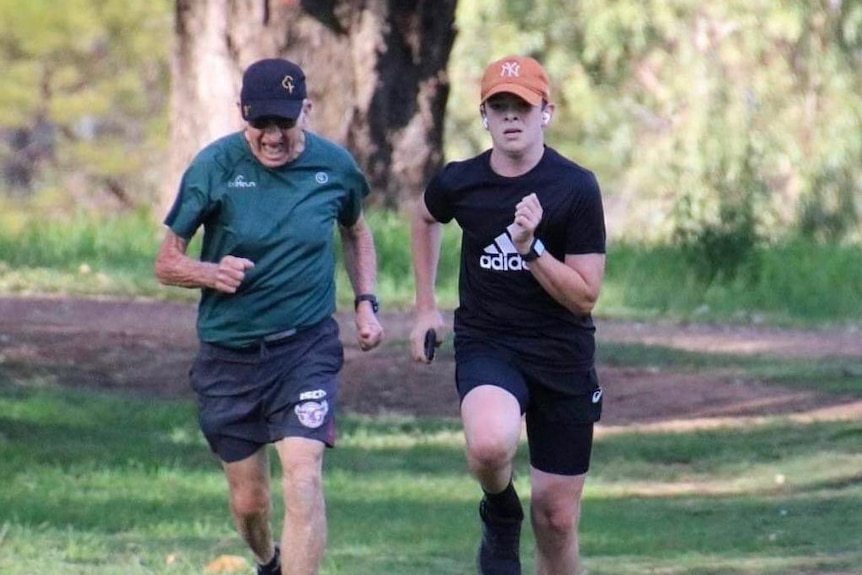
x=109 y=485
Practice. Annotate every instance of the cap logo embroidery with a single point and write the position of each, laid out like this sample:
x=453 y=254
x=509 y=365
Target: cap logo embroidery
x=287 y=84
x=510 y=70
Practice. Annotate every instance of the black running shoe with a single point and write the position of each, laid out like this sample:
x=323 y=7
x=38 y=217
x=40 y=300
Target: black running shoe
x=273 y=567
x=499 y=551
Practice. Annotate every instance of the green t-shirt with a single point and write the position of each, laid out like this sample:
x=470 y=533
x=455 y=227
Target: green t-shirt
x=281 y=219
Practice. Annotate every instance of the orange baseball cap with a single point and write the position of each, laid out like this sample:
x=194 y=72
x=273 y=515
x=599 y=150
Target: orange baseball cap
x=519 y=75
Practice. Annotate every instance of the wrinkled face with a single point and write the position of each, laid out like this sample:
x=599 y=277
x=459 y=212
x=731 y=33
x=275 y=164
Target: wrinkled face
x=515 y=125
x=272 y=139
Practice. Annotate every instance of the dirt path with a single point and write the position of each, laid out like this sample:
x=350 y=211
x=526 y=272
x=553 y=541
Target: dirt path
x=145 y=347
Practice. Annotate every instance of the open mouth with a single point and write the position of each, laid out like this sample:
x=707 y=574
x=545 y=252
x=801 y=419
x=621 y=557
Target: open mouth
x=272 y=149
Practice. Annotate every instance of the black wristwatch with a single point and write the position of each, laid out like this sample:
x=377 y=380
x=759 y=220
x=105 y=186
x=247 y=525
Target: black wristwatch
x=537 y=248
x=375 y=305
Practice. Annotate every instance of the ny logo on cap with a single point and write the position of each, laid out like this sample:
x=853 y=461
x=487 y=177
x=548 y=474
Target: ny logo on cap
x=510 y=70
x=287 y=84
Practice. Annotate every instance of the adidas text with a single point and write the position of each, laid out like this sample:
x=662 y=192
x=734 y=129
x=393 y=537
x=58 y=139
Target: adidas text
x=502 y=262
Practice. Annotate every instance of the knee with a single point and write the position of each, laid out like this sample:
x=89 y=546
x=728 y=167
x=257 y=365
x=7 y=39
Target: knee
x=302 y=466
x=555 y=521
x=250 y=502
x=301 y=479
x=489 y=453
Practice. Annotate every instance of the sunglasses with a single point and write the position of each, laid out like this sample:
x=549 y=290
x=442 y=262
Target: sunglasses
x=265 y=122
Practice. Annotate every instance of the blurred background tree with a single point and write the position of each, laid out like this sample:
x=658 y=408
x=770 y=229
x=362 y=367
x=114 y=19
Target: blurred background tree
x=732 y=115
x=376 y=73
x=83 y=105
x=721 y=126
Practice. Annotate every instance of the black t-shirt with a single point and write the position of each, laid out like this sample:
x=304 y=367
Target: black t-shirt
x=498 y=295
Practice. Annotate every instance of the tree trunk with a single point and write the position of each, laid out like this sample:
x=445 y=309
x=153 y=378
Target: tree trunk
x=376 y=73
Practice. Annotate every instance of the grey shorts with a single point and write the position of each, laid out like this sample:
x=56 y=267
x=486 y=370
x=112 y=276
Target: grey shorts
x=560 y=407
x=251 y=397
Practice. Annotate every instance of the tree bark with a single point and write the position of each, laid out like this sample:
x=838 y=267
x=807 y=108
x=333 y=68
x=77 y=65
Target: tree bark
x=376 y=72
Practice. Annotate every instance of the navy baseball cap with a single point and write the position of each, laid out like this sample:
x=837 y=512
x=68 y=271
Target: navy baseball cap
x=272 y=88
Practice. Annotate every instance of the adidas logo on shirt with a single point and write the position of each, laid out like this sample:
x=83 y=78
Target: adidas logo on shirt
x=501 y=256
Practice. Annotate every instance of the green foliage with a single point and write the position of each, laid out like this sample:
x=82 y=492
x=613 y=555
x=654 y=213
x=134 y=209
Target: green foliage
x=787 y=281
x=92 y=240
x=395 y=282
x=81 y=252
x=657 y=96
x=660 y=98
x=86 y=90
x=791 y=281
x=717 y=223
x=831 y=210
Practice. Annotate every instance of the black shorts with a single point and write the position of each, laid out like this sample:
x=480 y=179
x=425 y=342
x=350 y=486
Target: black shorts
x=251 y=397
x=560 y=407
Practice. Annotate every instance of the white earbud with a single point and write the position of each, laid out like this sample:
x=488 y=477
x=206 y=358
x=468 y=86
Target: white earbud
x=485 y=122
x=546 y=117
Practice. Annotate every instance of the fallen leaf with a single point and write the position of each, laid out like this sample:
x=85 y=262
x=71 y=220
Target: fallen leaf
x=226 y=564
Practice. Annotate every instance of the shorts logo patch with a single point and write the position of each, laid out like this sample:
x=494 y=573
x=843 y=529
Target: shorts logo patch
x=311 y=413
x=316 y=394
x=597 y=395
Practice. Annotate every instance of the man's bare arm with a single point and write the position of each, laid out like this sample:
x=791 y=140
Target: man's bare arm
x=173 y=267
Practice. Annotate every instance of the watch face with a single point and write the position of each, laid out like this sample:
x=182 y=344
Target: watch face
x=538 y=247
x=536 y=250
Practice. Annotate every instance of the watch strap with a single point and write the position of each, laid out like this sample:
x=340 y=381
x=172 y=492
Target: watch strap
x=375 y=305
x=537 y=248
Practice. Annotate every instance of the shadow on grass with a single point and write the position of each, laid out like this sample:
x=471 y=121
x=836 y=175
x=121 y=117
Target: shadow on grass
x=399 y=497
